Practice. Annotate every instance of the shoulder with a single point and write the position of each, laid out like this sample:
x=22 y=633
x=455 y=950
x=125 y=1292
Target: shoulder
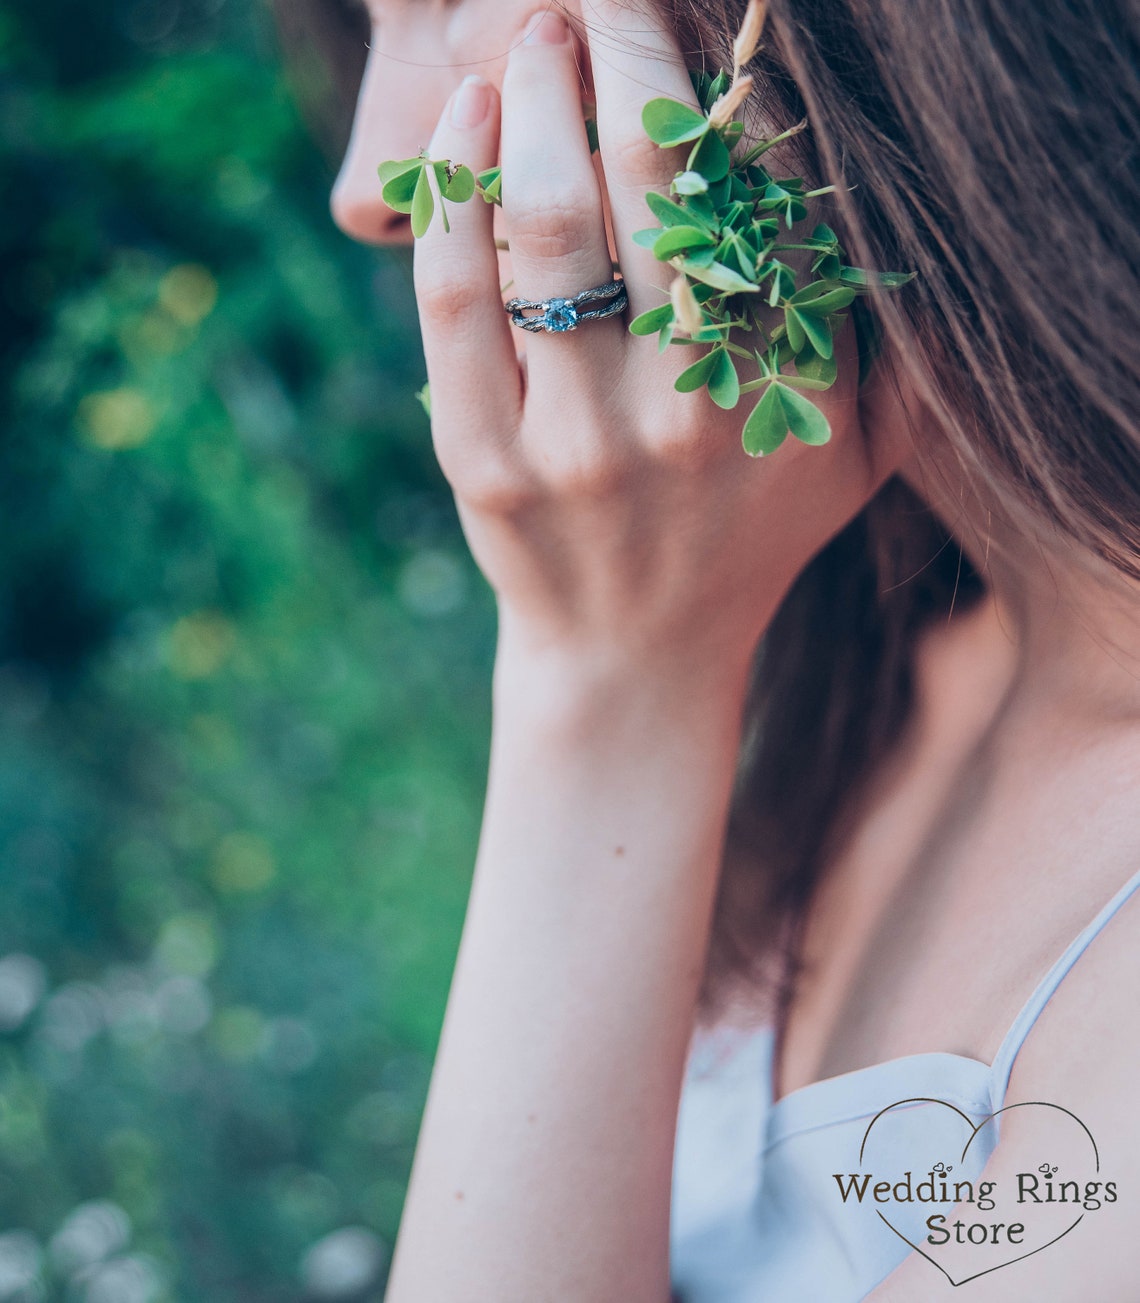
x=1069 y=1106
x=1084 y=1047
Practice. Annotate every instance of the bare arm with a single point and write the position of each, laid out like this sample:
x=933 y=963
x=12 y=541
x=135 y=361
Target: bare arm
x=544 y=1165
x=637 y=555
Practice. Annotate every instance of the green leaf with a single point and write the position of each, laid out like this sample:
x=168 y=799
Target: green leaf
x=702 y=209
x=398 y=167
x=592 y=134
x=783 y=283
x=804 y=419
x=710 y=157
x=668 y=122
x=735 y=215
x=764 y=230
x=689 y=183
x=693 y=377
x=795 y=212
x=740 y=251
x=887 y=280
x=441 y=179
x=677 y=239
x=424 y=396
x=738 y=187
x=423 y=205
x=491 y=184
x=818 y=301
x=784 y=351
x=797 y=335
x=724 y=383
x=828 y=266
x=698 y=258
x=461 y=186
x=648 y=237
x=803 y=382
x=398 y=183
x=718 y=276
x=767 y=426
x=649 y=323
x=818 y=370
x=774 y=290
x=712 y=333
x=823 y=237
x=670 y=214
x=818 y=331
x=717 y=87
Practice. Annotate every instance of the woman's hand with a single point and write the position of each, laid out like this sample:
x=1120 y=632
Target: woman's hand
x=612 y=515
x=637 y=553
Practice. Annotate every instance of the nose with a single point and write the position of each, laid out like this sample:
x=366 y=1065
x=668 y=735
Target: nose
x=396 y=114
x=361 y=213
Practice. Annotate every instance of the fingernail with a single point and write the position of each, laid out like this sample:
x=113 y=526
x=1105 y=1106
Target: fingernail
x=546 y=28
x=471 y=103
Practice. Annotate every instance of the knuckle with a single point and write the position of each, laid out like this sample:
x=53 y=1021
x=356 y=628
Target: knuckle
x=443 y=294
x=484 y=480
x=552 y=225
x=578 y=471
x=686 y=444
x=505 y=498
x=634 y=161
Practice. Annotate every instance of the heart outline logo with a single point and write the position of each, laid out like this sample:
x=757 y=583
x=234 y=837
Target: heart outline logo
x=974 y=1131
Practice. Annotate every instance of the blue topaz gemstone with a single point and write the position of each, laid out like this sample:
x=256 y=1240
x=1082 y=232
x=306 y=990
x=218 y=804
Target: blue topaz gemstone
x=561 y=314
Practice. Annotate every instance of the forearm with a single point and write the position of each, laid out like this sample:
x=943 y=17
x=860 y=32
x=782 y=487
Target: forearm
x=543 y=1165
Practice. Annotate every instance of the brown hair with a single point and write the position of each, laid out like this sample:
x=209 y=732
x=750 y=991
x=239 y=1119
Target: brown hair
x=989 y=145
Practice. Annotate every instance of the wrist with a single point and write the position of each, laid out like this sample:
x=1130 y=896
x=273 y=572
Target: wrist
x=567 y=684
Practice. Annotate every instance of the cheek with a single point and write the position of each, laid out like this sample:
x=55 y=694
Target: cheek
x=399 y=104
x=478 y=34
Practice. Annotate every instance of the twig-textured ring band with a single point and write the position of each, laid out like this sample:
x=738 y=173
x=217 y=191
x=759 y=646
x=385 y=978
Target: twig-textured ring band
x=556 y=316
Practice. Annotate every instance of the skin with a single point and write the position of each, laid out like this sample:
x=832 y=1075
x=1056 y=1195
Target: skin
x=637 y=556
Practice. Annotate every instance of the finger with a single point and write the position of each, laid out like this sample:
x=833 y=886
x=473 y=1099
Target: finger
x=634 y=58
x=467 y=340
x=551 y=197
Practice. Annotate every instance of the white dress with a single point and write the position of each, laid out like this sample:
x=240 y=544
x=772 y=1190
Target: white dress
x=758 y=1215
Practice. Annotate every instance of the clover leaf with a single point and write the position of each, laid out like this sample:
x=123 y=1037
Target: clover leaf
x=669 y=122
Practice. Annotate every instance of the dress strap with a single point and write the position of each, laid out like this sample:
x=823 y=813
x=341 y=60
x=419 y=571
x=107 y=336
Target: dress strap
x=1031 y=1010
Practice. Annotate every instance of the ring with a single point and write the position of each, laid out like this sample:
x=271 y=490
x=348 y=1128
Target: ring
x=556 y=316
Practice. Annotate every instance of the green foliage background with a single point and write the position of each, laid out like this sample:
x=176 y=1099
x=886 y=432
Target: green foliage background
x=244 y=672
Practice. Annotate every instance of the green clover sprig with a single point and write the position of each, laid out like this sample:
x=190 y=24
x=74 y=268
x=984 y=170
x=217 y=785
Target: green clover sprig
x=725 y=228
x=725 y=232
x=407 y=187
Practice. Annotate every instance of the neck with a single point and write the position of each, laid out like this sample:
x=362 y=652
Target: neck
x=1074 y=625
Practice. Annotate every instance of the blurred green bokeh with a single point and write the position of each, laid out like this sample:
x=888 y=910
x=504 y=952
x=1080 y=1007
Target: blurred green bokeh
x=244 y=681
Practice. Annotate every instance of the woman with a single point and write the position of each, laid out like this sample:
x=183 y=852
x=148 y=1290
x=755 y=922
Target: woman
x=898 y=847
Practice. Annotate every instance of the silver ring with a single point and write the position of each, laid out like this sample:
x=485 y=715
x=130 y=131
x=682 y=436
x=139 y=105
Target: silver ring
x=557 y=316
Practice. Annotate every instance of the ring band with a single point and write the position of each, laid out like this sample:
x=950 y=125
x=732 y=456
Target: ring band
x=557 y=316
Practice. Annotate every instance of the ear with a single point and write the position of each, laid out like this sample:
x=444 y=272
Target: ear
x=906 y=438
x=893 y=417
